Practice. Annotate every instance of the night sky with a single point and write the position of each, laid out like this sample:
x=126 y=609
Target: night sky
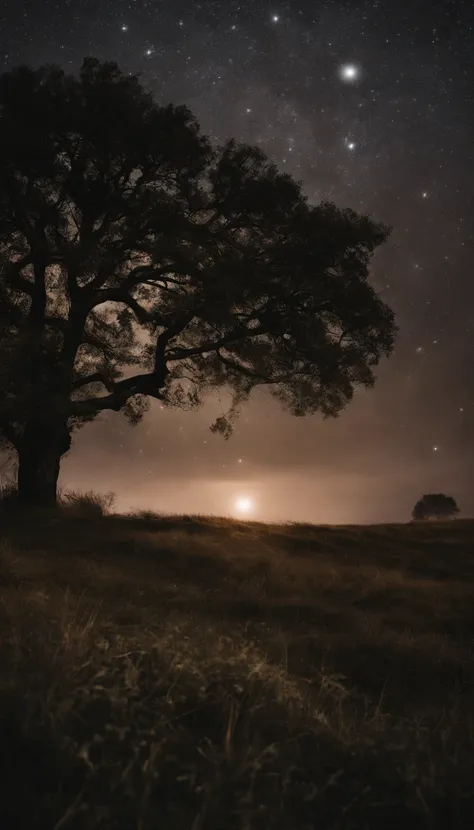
x=370 y=105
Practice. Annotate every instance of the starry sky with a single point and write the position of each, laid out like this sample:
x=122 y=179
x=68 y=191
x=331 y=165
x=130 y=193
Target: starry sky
x=369 y=104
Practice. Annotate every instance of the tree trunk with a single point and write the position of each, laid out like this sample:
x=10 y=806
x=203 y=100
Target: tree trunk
x=39 y=457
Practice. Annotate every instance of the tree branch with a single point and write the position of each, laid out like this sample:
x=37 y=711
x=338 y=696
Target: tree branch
x=119 y=295
x=164 y=338
x=56 y=322
x=144 y=273
x=9 y=433
x=90 y=339
x=234 y=336
x=96 y=377
x=146 y=384
x=243 y=370
x=13 y=270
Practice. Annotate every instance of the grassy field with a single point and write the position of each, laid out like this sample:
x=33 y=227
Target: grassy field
x=204 y=674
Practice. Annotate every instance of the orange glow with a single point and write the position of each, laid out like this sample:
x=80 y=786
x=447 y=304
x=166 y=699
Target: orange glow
x=244 y=505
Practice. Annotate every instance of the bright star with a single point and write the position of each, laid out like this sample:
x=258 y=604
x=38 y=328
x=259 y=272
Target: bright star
x=351 y=145
x=124 y=28
x=349 y=72
x=424 y=194
x=149 y=52
x=275 y=18
x=435 y=449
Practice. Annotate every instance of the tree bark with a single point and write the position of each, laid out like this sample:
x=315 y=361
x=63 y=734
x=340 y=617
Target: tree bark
x=39 y=457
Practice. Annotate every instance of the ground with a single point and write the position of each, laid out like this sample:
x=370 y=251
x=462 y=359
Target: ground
x=191 y=672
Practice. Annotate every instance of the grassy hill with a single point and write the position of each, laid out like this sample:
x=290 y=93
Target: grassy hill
x=206 y=674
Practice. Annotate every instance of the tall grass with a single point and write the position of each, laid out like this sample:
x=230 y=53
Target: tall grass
x=204 y=674
x=87 y=503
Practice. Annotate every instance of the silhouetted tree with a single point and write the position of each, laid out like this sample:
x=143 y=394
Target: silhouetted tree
x=137 y=261
x=435 y=506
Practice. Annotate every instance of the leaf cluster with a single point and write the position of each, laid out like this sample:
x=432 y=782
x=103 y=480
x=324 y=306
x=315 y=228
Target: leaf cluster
x=136 y=260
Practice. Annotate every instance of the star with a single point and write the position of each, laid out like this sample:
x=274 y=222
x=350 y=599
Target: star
x=275 y=18
x=425 y=194
x=149 y=52
x=351 y=145
x=124 y=27
x=349 y=72
x=435 y=448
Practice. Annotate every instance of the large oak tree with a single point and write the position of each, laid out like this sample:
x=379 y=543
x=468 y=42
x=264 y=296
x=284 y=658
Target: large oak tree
x=138 y=261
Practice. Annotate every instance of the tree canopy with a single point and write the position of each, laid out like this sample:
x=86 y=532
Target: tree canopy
x=136 y=260
x=435 y=506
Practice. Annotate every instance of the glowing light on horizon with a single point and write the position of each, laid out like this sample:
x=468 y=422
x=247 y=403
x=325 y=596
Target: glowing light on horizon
x=244 y=505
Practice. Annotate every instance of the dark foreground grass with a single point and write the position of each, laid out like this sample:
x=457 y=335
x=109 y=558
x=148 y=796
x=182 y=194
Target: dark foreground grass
x=202 y=674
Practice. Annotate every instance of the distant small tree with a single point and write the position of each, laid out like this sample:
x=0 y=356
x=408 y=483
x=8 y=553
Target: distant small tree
x=435 y=506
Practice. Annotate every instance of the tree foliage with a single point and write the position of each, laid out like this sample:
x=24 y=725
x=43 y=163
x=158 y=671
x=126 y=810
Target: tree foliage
x=138 y=261
x=435 y=506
